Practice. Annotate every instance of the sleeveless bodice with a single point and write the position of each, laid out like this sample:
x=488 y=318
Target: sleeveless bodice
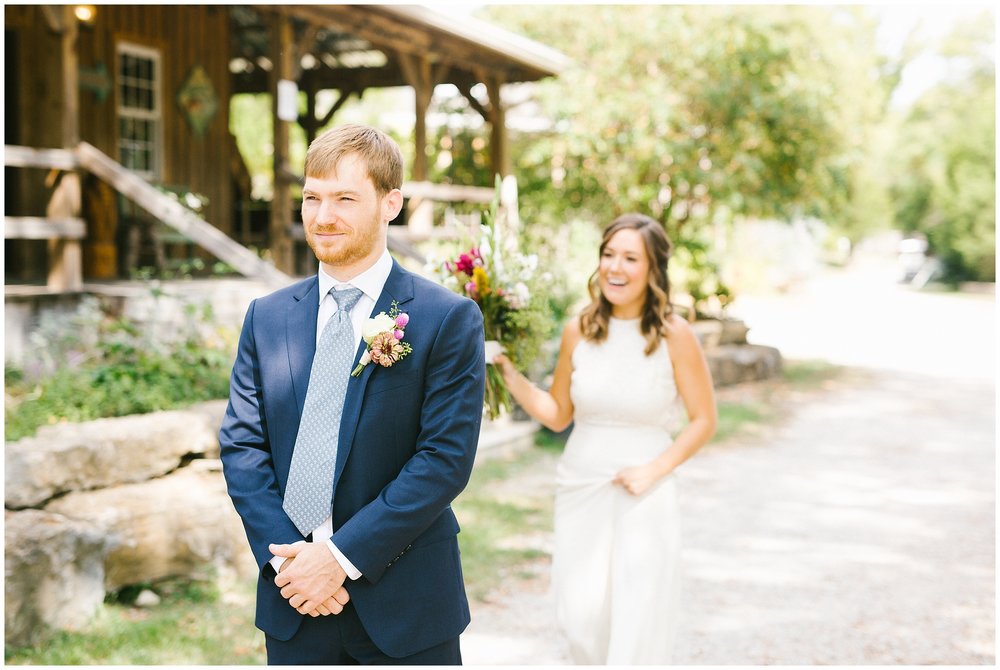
x=614 y=383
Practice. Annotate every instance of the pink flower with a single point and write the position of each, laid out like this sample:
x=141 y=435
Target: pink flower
x=470 y=289
x=398 y=334
x=402 y=320
x=466 y=262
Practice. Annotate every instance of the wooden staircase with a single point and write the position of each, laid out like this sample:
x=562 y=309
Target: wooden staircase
x=64 y=228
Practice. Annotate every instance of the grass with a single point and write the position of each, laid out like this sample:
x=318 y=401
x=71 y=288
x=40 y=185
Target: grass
x=200 y=624
x=193 y=625
x=742 y=411
x=494 y=524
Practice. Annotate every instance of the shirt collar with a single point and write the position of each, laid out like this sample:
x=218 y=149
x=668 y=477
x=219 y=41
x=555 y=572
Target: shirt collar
x=371 y=281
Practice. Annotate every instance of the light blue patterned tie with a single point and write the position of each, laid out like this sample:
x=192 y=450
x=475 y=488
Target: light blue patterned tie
x=309 y=492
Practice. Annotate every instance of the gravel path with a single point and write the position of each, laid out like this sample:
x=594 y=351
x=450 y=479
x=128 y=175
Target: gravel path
x=859 y=529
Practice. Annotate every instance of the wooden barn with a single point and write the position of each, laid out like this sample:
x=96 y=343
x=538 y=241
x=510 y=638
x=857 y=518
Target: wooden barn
x=117 y=114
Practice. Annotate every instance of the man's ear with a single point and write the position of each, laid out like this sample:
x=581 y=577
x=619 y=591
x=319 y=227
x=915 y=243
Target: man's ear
x=392 y=203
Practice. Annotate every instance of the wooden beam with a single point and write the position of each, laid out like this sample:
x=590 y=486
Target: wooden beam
x=55 y=17
x=70 y=79
x=447 y=192
x=29 y=157
x=283 y=51
x=178 y=217
x=42 y=228
x=474 y=102
x=65 y=266
x=499 y=152
x=417 y=71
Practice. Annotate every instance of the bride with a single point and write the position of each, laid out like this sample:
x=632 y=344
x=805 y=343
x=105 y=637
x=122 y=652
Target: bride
x=629 y=369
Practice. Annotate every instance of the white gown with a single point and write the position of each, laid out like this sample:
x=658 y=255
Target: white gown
x=615 y=564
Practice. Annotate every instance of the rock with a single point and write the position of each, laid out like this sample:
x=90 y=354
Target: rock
x=106 y=452
x=709 y=332
x=53 y=574
x=736 y=363
x=212 y=411
x=147 y=598
x=734 y=331
x=177 y=525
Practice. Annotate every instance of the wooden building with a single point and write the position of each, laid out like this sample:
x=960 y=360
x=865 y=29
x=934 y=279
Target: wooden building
x=110 y=109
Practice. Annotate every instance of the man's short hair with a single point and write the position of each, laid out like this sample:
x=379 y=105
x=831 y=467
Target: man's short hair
x=381 y=154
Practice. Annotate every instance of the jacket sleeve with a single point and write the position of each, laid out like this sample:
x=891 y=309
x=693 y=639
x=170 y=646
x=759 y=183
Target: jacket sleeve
x=441 y=465
x=246 y=453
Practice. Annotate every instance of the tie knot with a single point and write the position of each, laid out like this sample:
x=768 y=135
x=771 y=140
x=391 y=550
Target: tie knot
x=347 y=298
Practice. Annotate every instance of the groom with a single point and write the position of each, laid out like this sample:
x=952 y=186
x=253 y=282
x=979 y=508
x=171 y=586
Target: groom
x=343 y=476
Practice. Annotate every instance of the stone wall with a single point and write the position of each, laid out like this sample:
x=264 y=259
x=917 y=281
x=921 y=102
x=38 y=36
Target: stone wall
x=731 y=359
x=95 y=506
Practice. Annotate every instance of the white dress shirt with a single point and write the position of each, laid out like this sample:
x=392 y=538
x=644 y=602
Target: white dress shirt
x=371 y=283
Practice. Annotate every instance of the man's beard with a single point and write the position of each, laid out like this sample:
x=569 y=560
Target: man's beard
x=360 y=245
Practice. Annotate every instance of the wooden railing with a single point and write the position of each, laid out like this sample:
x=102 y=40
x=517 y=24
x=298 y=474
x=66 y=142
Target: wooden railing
x=65 y=232
x=62 y=225
x=178 y=217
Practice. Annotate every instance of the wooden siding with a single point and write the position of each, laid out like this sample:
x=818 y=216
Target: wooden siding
x=186 y=36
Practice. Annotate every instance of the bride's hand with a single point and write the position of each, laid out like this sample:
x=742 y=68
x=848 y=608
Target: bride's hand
x=506 y=367
x=636 y=480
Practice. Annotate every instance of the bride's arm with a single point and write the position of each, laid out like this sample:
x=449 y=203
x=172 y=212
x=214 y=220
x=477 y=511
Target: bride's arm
x=552 y=408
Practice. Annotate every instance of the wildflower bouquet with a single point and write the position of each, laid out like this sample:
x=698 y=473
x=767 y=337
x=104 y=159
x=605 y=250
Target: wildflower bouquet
x=506 y=285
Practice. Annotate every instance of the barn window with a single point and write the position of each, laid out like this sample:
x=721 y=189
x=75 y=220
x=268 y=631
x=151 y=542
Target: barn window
x=139 y=109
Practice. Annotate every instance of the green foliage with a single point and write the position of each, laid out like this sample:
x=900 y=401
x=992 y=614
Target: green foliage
x=90 y=365
x=699 y=115
x=945 y=182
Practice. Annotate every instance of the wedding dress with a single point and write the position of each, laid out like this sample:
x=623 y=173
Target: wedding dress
x=615 y=565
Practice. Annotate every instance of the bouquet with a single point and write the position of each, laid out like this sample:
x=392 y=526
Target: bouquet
x=505 y=285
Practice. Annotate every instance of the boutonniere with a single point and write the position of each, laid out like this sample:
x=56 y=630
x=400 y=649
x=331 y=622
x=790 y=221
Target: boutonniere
x=384 y=336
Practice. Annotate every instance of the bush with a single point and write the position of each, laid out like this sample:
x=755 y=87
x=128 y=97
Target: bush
x=91 y=365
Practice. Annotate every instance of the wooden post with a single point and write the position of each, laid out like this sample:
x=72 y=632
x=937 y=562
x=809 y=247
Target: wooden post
x=65 y=258
x=499 y=151
x=419 y=74
x=282 y=56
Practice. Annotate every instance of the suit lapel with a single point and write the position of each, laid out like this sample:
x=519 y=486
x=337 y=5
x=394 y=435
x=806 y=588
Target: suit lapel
x=398 y=287
x=300 y=336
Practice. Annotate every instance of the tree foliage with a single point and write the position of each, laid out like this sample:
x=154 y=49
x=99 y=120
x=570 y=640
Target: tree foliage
x=944 y=184
x=699 y=115
x=687 y=112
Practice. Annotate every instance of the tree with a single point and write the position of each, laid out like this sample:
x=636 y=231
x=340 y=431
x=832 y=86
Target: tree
x=700 y=114
x=945 y=184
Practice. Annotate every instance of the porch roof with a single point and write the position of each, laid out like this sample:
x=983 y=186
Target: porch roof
x=360 y=46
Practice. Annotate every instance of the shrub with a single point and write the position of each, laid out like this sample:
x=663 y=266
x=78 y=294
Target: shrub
x=90 y=365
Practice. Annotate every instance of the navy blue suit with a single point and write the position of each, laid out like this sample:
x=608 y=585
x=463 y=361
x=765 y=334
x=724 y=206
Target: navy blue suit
x=407 y=444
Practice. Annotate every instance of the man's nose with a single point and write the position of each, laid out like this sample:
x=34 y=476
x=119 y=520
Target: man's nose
x=327 y=212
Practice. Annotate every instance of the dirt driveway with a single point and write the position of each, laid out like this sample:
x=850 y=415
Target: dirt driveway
x=860 y=529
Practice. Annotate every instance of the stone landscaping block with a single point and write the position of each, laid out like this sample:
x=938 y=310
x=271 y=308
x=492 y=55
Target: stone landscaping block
x=737 y=363
x=173 y=526
x=53 y=574
x=104 y=452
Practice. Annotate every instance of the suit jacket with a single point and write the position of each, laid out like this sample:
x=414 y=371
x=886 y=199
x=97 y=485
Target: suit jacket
x=408 y=438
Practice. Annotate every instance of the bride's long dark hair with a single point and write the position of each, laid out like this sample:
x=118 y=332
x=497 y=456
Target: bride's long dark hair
x=657 y=307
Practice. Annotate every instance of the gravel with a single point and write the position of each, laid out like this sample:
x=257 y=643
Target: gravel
x=859 y=529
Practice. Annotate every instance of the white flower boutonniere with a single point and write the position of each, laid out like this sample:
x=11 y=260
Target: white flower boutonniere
x=384 y=336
